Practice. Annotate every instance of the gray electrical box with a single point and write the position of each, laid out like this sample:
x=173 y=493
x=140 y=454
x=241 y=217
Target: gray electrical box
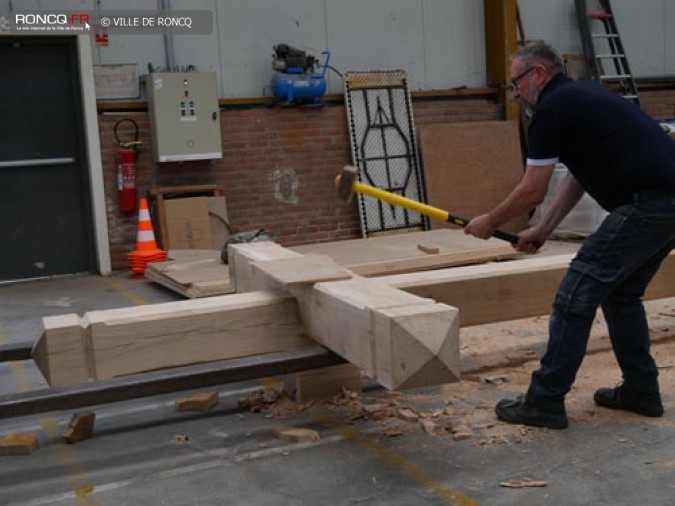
x=184 y=116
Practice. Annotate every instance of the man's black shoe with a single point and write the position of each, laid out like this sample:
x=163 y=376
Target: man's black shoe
x=522 y=412
x=622 y=398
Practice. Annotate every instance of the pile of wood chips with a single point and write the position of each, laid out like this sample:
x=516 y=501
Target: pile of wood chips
x=389 y=409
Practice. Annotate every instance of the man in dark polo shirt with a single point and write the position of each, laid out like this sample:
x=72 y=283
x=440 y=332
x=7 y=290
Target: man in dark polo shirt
x=621 y=157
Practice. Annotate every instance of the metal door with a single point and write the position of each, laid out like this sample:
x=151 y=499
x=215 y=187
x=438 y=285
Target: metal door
x=45 y=209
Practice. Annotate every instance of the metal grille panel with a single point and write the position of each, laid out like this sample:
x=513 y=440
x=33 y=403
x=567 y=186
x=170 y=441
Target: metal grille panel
x=384 y=149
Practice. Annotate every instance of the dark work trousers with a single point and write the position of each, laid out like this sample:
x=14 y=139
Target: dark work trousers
x=611 y=270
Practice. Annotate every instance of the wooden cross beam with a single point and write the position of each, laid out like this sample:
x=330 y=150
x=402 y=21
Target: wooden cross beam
x=508 y=290
x=399 y=339
x=388 y=333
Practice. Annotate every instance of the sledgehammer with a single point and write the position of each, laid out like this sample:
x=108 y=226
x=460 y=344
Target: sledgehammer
x=347 y=184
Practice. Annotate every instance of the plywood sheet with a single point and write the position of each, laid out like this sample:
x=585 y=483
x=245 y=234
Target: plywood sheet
x=192 y=273
x=194 y=290
x=376 y=256
x=471 y=167
x=199 y=273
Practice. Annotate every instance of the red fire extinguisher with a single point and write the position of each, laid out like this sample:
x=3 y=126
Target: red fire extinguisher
x=127 y=154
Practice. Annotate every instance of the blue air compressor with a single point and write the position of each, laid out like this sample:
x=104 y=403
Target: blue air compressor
x=296 y=81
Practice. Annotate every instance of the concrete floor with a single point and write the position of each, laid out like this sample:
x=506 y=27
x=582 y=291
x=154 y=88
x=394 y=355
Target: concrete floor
x=232 y=457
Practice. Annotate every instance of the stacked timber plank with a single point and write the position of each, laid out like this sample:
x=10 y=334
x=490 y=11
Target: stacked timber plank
x=192 y=273
x=416 y=251
x=200 y=273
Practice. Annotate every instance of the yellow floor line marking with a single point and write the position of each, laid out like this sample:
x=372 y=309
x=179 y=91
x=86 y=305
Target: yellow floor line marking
x=66 y=454
x=118 y=286
x=388 y=456
x=50 y=426
x=397 y=461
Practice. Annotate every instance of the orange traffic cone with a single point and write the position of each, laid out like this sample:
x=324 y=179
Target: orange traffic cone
x=146 y=248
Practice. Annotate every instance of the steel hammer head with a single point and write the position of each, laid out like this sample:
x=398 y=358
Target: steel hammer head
x=345 y=182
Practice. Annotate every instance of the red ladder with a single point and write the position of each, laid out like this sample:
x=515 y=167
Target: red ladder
x=606 y=60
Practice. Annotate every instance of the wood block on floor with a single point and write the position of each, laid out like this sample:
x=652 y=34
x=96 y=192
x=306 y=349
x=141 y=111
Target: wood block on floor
x=18 y=443
x=201 y=401
x=81 y=427
x=323 y=383
x=296 y=435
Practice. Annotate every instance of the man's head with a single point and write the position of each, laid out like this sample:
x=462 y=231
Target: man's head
x=532 y=67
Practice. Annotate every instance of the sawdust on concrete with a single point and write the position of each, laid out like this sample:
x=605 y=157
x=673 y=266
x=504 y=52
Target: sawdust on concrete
x=500 y=359
x=520 y=345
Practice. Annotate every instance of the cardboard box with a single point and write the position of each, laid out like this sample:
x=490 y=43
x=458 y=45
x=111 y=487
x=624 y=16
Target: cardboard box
x=187 y=223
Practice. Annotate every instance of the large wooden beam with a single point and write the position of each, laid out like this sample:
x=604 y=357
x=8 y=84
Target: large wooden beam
x=508 y=290
x=389 y=333
x=399 y=339
x=117 y=342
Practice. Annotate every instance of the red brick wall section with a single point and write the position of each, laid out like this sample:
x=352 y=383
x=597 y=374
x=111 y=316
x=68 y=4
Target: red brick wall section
x=277 y=170
x=278 y=167
x=659 y=104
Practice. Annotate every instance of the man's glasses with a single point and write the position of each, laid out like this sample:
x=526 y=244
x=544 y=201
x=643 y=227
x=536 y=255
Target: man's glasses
x=514 y=82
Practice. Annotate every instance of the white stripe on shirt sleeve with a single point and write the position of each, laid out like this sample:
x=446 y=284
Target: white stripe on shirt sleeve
x=542 y=162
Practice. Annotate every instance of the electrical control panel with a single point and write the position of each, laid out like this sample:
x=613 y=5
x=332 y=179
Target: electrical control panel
x=184 y=116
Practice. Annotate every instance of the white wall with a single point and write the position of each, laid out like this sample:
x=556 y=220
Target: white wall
x=248 y=30
x=439 y=43
x=646 y=28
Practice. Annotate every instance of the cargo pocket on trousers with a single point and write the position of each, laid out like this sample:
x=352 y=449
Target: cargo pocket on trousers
x=585 y=286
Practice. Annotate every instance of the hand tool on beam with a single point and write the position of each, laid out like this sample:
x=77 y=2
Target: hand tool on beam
x=346 y=183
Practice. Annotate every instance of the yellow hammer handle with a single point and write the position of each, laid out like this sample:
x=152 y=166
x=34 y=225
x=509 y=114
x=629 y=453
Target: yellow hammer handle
x=425 y=209
x=397 y=200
